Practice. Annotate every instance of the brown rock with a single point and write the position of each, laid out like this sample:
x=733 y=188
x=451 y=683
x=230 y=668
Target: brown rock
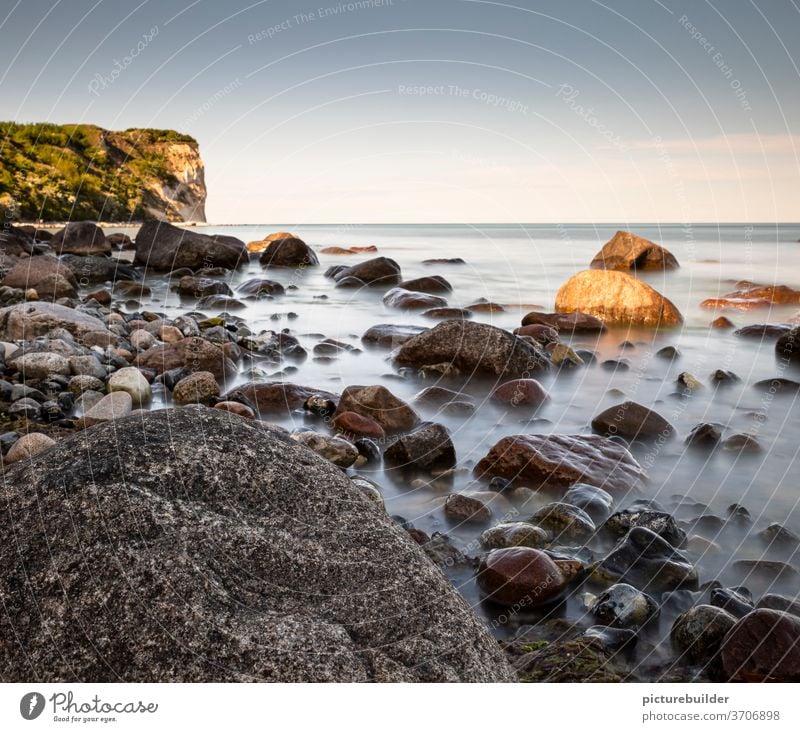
x=617 y=299
x=197 y=388
x=631 y=420
x=378 y=272
x=260 y=286
x=163 y=247
x=407 y=300
x=45 y=274
x=27 y=321
x=237 y=408
x=763 y=646
x=379 y=404
x=447 y=313
x=750 y=296
x=80 y=237
x=432 y=284
x=357 y=425
x=626 y=251
x=520 y=393
x=288 y=252
x=486 y=307
x=473 y=349
x=520 y=576
x=543 y=334
x=103 y=296
x=389 y=335
x=566 y=322
x=466 y=509
x=722 y=322
x=194 y=354
x=28 y=445
x=559 y=461
x=429 y=447
x=277 y=397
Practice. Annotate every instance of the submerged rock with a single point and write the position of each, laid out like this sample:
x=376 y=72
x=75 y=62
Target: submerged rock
x=226 y=537
x=389 y=335
x=428 y=447
x=633 y=421
x=520 y=576
x=698 y=633
x=579 y=660
x=595 y=501
x=658 y=522
x=565 y=522
x=379 y=404
x=518 y=533
x=576 y=322
x=763 y=646
x=623 y=606
x=80 y=237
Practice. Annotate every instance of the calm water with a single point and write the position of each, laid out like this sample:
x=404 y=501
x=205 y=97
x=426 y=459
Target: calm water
x=522 y=268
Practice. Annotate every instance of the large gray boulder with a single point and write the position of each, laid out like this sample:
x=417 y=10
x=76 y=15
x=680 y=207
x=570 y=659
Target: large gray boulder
x=193 y=545
x=163 y=247
x=30 y=320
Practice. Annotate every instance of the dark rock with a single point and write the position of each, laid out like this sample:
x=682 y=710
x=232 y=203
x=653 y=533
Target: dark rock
x=194 y=354
x=560 y=461
x=742 y=444
x=762 y=331
x=465 y=509
x=377 y=272
x=658 y=522
x=459 y=346
x=518 y=533
x=320 y=406
x=389 y=335
x=778 y=385
x=288 y=252
x=368 y=449
x=564 y=522
x=613 y=639
x=521 y=577
x=633 y=421
x=451 y=260
x=645 y=560
x=789 y=605
x=429 y=448
x=397 y=297
x=542 y=334
x=763 y=646
x=95 y=270
x=594 y=501
x=623 y=606
x=720 y=377
x=566 y=322
x=736 y=600
x=354 y=425
x=520 y=393
x=698 y=633
x=704 y=435
x=379 y=404
x=277 y=397
x=202 y=286
x=580 y=660
x=787 y=346
x=432 y=284
x=668 y=352
x=234 y=543
x=80 y=237
x=259 y=287
x=163 y=247
x=780 y=536
x=447 y=313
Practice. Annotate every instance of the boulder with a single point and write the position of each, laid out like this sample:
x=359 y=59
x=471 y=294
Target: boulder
x=618 y=299
x=276 y=397
x=201 y=286
x=389 y=335
x=259 y=287
x=626 y=251
x=763 y=646
x=377 y=272
x=41 y=365
x=94 y=270
x=380 y=405
x=463 y=509
x=520 y=576
x=194 y=354
x=402 y=299
x=288 y=252
x=80 y=237
x=45 y=274
x=472 y=349
x=163 y=247
x=335 y=449
x=238 y=555
x=446 y=313
x=27 y=321
x=428 y=447
x=517 y=533
x=633 y=421
x=750 y=296
x=559 y=461
x=787 y=347
x=524 y=393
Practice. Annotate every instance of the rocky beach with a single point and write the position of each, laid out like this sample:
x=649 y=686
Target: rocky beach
x=376 y=454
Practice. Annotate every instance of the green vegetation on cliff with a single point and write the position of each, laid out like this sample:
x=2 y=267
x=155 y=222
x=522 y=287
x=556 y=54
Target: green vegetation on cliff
x=76 y=171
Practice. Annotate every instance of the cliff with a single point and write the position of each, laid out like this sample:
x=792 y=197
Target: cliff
x=83 y=172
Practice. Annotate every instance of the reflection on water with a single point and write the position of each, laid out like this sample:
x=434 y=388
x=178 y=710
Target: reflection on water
x=522 y=268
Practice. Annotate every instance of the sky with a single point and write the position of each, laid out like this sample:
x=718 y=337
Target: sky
x=429 y=111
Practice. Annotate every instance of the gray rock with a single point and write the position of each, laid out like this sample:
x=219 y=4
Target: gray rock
x=87 y=366
x=517 y=533
x=132 y=381
x=32 y=319
x=593 y=500
x=111 y=407
x=623 y=606
x=564 y=521
x=79 y=384
x=237 y=555
x=28 y=445
x=41 y=365
x=697 y=634
x=336 y=449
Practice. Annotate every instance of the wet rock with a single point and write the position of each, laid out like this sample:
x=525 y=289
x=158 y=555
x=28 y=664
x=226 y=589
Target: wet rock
x=736 y=600
x=520 y=393
x=25 y=407
x=473 y=349
x=632 y=421
x=27 y=321
x=237 y=547
x=397 y=297
x=567 y=323
x=141 y=339
x=132 y=381
x=379 y=404
x=433 y=284
x=438 y=395
x=778 y=385
x=388 y=335
x=722 y=322
x=613 y=639
x=688 y=382
x=778 y=535
x=278 y=397
x=260 y=287
x=340 y=452
x=542 y=334
x=698 y=633
x=579 y=660
x=369 y=450
x=377 y=272
x=564 y=356
x=628 y=252
x=704 y=435
x=356 y=425
x=449 y=260
x=163 y=247
x=658 y=522
x=194 y=354
x=741 y=443
x=220 y=302
x=763 y=646
x=45 y=274
x=518 y=533
x=787 y=347
x=765 y=571
x=80 y=237
x=288 y=252
x=721 y=376
x=560 y=461
x=594 y=501
x=564 y=522
x=79 y=384
x=789 y=605
x=466 y=509
x=617 y=299
x=95 y=270
x=40 y=365
x=237 y=408
x=201 y=286
x=485 y=307
x=763 y=331
x=428 y=447
x=642 y=558
x=111 y=407
x=28 y=445
x=520 y=576
x=87 y=366
x=447 y=313
x=668 y=353
x=623 y=606
x=750 y=296
x=199 y=387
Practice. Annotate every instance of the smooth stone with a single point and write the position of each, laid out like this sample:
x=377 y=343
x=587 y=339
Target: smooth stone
x=277 y=397
x=698 y=633
x=704 y=436
x=200 y=387
x=335 y=449
x=131 y=380
x=737 y=601
x=596 y=502
x=564 y=522
x=763 y=646
x=429 y=448
x=237 y=408
x=27 y=446
x=520 y=576
x=389 y=335
x=41 y=365
x=109 y=408
x=632 y=421
x=518 y=533
x=520 y=393
x=466 y=509
x=789 y=605
x=355 y=425
x=658 y=522
x=623 y=606
x=741 y=444
x=377 y=272
x=379 y=404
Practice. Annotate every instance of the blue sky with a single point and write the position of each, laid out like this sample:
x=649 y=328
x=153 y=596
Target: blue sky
x=437 y=110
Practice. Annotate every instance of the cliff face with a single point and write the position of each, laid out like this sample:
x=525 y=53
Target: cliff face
x=83 y=172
